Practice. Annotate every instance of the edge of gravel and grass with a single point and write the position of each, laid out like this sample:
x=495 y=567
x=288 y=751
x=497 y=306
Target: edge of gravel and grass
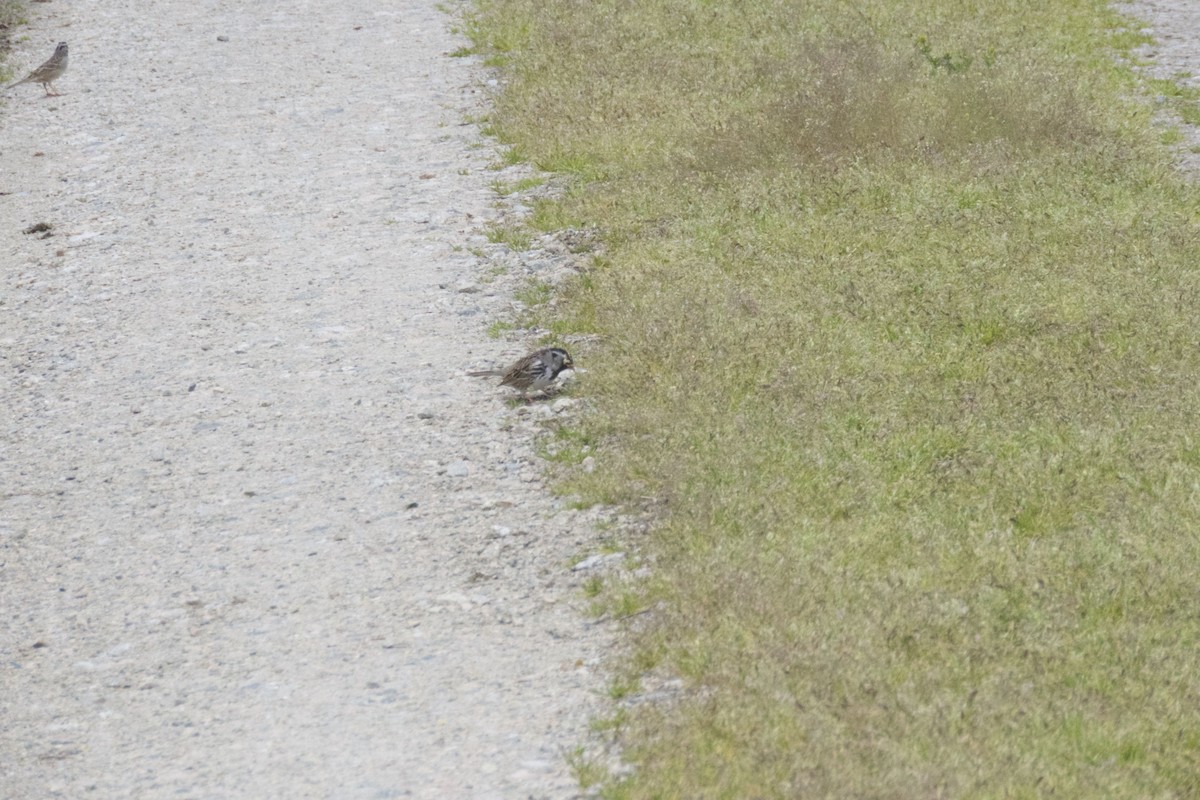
x=12 y=16
x=899 y=346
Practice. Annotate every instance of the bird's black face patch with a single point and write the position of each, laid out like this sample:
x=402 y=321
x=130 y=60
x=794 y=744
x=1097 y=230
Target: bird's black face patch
x=563 y=356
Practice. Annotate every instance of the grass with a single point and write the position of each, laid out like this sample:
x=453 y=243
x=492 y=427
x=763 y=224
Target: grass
x=12 y=16
x=504 y=188
x=516 y=237
x=1184 y=100
x=535 y=293
x=898 y=310
x=500 y=328
x=585 y=770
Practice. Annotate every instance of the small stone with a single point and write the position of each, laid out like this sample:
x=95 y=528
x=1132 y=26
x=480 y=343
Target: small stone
x=222 y=38
x=425 y=415
x=588 y=563
x=459 y=469
x=589 y=464
x=467 y=288
x=597 y=560
x=562 y=404
x=502 y=530
x=538 y=412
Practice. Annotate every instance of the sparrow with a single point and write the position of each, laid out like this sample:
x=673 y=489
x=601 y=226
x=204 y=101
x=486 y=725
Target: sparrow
x=534 y=372
x=49 y=72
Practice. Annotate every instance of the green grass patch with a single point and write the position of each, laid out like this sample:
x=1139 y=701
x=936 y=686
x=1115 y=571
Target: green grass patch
x=587 y=771
x=504 y=188
x=517 y=237
x=510 y=157
x=567 y=445
x=535 y=293
x=899 y=310
x=593 y=586
x=500 y=328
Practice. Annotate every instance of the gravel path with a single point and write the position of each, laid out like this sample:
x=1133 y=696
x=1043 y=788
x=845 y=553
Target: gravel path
x=260 y=536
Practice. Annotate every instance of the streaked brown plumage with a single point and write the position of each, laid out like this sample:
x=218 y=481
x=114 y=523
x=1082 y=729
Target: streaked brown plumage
x=49 y=72
x=534 y=372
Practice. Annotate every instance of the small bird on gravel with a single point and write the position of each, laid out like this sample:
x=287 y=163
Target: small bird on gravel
x=49 y=72
x=534 y=372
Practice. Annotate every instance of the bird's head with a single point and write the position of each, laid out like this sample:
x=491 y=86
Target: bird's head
x=561 y=359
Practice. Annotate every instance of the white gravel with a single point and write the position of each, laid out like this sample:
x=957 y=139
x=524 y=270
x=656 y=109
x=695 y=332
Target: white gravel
x=260 y=536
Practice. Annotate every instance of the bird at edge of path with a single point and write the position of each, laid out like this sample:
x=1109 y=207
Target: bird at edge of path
x=49 y=72
x=533 y=373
